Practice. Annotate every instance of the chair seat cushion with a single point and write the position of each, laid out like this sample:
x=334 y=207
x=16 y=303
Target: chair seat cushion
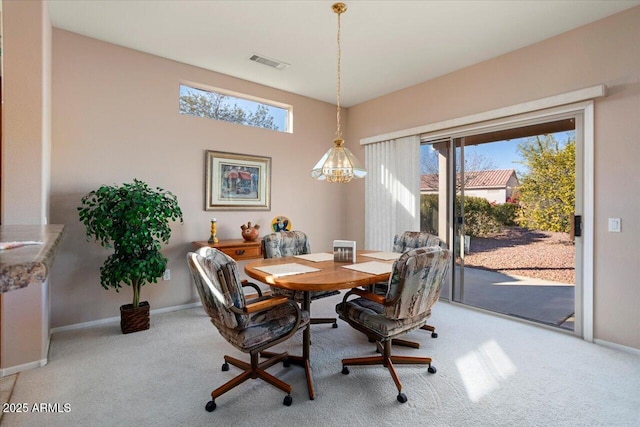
x=263 y=327
x=368 y=314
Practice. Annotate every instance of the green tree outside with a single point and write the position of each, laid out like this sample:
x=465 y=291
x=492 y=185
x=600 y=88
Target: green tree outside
x=547 y=188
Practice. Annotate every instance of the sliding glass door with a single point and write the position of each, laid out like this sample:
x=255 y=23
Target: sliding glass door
x=505 y=202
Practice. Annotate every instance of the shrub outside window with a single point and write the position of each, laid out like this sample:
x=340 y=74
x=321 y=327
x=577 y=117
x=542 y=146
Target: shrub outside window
x=235 y=108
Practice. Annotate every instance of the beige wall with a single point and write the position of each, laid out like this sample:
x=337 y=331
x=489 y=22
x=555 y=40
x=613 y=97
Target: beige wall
x=606 y=52
x=26 y=110
x=115 y=118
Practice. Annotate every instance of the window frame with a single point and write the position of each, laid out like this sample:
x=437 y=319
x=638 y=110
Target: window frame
x=243 y=97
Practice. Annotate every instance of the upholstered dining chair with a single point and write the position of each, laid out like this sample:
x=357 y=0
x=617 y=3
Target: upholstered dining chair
x=402 y=243
x=417 y=239
x=250 y=326
x=414 y=286
x=289 y=243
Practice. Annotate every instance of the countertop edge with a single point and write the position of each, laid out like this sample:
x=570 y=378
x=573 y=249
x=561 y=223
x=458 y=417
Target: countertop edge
x=28 y=265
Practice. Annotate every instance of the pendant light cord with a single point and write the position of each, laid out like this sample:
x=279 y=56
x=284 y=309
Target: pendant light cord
x=338 y=131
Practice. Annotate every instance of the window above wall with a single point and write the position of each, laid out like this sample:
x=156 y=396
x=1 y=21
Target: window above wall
x=219 y=104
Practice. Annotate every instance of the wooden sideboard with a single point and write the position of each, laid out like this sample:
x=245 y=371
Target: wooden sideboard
x=237 y=249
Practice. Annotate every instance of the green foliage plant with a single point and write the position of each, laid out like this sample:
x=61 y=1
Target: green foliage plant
x=505 y=213
x=429 y=213
x=133 y=219
x=479 y=219
x=547 y=189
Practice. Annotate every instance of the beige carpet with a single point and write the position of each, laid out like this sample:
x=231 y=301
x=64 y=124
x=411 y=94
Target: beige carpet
x=491 y=372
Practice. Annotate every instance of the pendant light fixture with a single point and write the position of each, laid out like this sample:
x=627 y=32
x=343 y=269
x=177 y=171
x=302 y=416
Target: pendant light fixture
x=338 y=164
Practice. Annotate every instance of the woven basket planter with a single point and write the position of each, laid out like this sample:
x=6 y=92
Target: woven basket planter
x=134 y=319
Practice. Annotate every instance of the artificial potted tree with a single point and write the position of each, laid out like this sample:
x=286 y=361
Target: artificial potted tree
x=133 y=219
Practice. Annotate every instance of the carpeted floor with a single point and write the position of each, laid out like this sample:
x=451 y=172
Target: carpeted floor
x=491 y=372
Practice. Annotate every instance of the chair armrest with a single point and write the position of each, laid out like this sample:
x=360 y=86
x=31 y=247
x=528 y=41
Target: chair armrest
x=265 y=304
x=368 y=295
x=252 y=285
x=361 y=293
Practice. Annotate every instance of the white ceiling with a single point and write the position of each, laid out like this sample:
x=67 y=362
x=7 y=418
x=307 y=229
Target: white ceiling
x=386 y=45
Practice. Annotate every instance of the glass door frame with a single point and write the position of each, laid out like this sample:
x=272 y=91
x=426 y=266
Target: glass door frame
x=583 y=113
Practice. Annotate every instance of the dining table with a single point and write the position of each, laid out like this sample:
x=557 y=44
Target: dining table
x=319 y=272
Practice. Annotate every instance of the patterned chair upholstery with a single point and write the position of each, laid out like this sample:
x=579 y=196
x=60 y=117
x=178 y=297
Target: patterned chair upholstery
x=290 y=243
x=415 y=239
x=402 y=243
x=414 y=286
x=250 y=326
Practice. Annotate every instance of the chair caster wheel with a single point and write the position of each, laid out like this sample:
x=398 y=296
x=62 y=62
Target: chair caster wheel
x=210 y=406
x=434 y=335
x=287 y=400
x=432 y=369
x=335 y=326
x=225 y=367
x=345 y=370
x=402 y=398
x=286 y=363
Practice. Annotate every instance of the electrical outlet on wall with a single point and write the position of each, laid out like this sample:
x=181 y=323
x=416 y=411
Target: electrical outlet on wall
x=166 y=275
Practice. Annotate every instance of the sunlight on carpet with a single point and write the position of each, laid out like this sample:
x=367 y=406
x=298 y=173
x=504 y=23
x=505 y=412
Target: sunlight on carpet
x=483 y=369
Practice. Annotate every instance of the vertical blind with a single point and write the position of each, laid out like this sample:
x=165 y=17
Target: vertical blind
x=392 y=191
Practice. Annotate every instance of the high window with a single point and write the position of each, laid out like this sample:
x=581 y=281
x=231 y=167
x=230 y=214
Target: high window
x=235 y=108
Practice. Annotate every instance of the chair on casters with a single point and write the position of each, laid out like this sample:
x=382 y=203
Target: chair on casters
x=402 y=243
x=289 y=243
x=250 y=326
x=414 y=286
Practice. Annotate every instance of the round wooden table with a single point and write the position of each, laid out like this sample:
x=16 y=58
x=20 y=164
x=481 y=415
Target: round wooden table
x=331 y=276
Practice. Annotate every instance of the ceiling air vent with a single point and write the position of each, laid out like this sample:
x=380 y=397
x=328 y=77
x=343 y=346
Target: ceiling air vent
x=270 y=62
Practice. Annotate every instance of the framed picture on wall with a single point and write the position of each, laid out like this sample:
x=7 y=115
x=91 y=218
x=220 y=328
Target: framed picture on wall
x=237 y=182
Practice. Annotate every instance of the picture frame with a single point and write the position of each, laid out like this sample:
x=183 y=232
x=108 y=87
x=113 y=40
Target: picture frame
x=237 y=181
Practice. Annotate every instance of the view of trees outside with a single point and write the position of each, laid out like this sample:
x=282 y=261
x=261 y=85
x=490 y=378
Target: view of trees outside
x=474 y=161
x=547 y=185
x=212 y=105
x=545 y=199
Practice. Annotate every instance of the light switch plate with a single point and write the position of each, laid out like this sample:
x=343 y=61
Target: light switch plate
x=615 y=224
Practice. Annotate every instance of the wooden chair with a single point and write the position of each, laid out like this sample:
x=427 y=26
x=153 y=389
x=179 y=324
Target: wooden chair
x=290 y=243
x=414 y=286
x=251 y=326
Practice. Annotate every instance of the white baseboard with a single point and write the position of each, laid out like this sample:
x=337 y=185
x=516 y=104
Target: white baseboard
x=19 y=368
x=45 y=352
x=117 y=319
x=175 y=308
x=619 y=347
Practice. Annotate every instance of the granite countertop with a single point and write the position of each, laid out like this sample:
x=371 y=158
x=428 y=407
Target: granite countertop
x=28 y=265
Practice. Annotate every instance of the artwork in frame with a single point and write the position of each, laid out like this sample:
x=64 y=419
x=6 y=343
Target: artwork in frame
x=237 y=181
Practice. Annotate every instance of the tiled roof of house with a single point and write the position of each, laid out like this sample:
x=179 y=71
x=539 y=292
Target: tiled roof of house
x=474 y=179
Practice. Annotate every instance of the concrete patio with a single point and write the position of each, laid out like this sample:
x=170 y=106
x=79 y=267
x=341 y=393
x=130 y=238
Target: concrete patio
x=542 y=301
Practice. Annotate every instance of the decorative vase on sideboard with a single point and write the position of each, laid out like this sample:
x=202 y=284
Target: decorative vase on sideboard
x=249 y=232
